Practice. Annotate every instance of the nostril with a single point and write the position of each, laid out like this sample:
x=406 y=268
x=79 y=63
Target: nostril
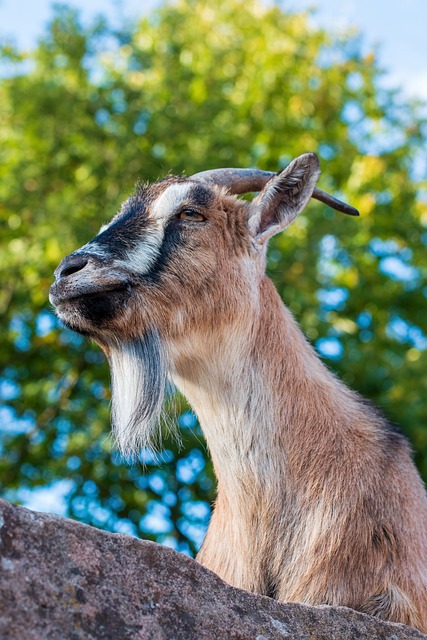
x=72 y=265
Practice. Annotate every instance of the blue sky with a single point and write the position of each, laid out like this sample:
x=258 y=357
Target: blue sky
x=397 y=26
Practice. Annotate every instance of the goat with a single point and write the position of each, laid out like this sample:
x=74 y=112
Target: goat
x=318 y=499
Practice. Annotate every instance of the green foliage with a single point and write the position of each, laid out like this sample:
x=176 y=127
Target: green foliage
x=197 y=85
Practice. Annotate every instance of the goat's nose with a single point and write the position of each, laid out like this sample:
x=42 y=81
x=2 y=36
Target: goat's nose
x=70 y=264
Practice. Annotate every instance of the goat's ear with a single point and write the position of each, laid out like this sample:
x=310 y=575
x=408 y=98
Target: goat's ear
x=283 y=197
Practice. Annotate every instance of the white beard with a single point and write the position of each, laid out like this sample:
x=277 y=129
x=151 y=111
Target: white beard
x=138 y=375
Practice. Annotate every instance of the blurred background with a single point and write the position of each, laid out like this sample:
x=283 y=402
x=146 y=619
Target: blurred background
x=96 y=95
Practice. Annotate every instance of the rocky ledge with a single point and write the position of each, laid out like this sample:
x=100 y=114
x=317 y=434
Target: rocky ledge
x=62 y=580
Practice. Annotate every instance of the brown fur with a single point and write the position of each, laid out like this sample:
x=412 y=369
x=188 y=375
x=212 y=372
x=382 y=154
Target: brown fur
x=312 y=463
x=318 y=499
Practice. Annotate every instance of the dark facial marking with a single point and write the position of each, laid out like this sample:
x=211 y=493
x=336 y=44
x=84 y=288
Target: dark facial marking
x=100 y=308
x=126 y=229
x=124 y=233
x=175 y=233
x=173 y=240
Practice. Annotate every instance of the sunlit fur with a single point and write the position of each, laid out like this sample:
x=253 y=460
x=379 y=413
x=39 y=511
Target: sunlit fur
x=317 y=501
x=318 y=498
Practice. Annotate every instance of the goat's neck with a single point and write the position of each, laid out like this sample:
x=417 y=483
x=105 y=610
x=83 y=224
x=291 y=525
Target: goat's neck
x=255 y=389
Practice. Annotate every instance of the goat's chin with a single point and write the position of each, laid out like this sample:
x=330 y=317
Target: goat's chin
x=139 y=376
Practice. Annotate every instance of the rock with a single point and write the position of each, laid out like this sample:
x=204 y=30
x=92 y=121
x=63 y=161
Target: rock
x=62 y=580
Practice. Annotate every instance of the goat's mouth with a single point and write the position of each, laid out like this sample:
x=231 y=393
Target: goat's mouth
x=88 y=308
x=60 y=294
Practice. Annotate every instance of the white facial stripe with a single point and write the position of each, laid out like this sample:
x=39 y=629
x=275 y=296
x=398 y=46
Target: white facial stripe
x=142 y=258
x=168 y=202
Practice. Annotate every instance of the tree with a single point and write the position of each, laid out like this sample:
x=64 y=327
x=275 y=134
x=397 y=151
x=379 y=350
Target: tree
x=196 y=85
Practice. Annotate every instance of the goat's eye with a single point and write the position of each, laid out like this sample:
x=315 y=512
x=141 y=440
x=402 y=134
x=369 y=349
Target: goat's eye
x=192 y=216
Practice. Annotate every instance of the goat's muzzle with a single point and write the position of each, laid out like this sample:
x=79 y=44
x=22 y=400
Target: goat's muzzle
x=87 y=292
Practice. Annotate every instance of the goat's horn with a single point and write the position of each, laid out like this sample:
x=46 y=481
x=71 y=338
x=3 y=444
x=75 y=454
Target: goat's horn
x=236 y=180
x=240 y=181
